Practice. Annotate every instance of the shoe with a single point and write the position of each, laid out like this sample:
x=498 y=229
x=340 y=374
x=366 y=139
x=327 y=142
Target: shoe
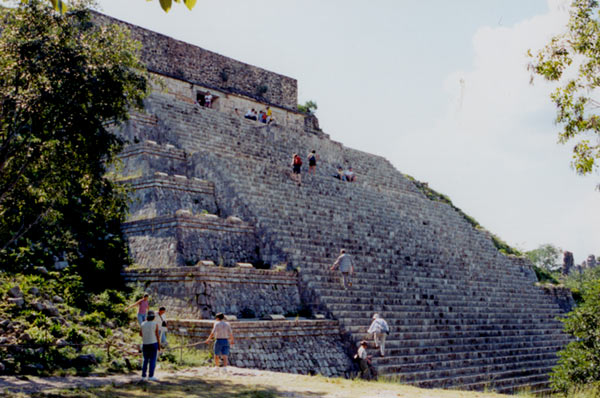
x=143 y=378
x=152 y=378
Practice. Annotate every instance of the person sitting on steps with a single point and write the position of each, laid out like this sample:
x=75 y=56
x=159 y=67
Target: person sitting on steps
x=269 y=115
x=349 y=175
x=339 y=174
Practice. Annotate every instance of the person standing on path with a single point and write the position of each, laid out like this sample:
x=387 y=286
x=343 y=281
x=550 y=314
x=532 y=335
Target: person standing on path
x=379 y=327
x=163 y=326
x=223 y=334
x=344 y=262
x=150 y=345
x=143 y=305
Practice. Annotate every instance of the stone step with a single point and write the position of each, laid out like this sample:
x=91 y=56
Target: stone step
x=458 y=373
x=335 y=292
x=482 y=378
x=398 y=351
x=465 y=365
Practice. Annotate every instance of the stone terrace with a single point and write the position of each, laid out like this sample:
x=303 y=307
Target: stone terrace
x=298 y=346
x=462 y=314
x=202 y=291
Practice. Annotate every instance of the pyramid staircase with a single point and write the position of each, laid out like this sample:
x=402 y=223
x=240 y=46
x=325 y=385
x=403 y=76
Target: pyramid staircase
x=461 y=313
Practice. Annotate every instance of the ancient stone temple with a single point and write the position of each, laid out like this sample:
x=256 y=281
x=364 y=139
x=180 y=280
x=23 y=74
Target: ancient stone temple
x=218 y=225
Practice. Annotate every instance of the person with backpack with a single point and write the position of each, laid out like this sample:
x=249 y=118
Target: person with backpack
x=380 y=328
x=296 y=168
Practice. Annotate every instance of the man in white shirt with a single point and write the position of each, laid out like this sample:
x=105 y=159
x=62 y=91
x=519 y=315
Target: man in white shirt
x=379 y=328
x=349 y=175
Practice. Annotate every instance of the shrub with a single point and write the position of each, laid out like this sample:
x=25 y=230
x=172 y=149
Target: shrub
x=545 y=276
x=94 y=319
x=579 y=363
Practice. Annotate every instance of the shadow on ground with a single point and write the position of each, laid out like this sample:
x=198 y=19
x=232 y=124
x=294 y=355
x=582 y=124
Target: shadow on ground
x=193 y=387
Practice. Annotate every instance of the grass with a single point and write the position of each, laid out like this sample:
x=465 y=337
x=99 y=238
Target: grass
x=176 y=358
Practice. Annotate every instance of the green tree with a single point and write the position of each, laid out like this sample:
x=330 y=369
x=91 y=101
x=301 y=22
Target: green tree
x=65 y=83
x=579 y=363
x=573 y=58
x=546 y=256
x=308 y=107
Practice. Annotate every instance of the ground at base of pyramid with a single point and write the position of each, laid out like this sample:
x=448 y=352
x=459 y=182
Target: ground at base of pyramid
x=227 y=382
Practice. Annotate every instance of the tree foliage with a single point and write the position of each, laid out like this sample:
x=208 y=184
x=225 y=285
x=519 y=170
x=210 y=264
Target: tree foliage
x=574 y=59
x=546 y=256
x=166 y=4
x=308 y=107
x=579 y=363
x=61 y=6
x=64 y=82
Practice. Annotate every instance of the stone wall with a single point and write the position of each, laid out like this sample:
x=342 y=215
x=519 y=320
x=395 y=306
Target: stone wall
x=148 y=158
x=184 y=239
x=184 y=61
x=201 y=292
x=296 y=346
x=561 y=295
x=161 y=195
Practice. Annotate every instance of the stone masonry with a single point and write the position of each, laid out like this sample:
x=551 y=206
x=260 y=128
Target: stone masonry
x=185 y=239
x=203 y=291
x=462 y=314
x=176 y=59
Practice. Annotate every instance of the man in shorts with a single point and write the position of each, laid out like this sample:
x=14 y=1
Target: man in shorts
x=224 y=338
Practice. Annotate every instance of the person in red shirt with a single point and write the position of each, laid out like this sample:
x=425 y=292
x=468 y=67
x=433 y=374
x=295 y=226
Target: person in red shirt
x=296 y=168
x=143 y=306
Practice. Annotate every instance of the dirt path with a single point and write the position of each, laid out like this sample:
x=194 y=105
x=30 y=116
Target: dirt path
x=207 y=382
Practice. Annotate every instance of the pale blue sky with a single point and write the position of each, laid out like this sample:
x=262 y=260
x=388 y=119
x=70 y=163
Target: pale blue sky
x=387 y=78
